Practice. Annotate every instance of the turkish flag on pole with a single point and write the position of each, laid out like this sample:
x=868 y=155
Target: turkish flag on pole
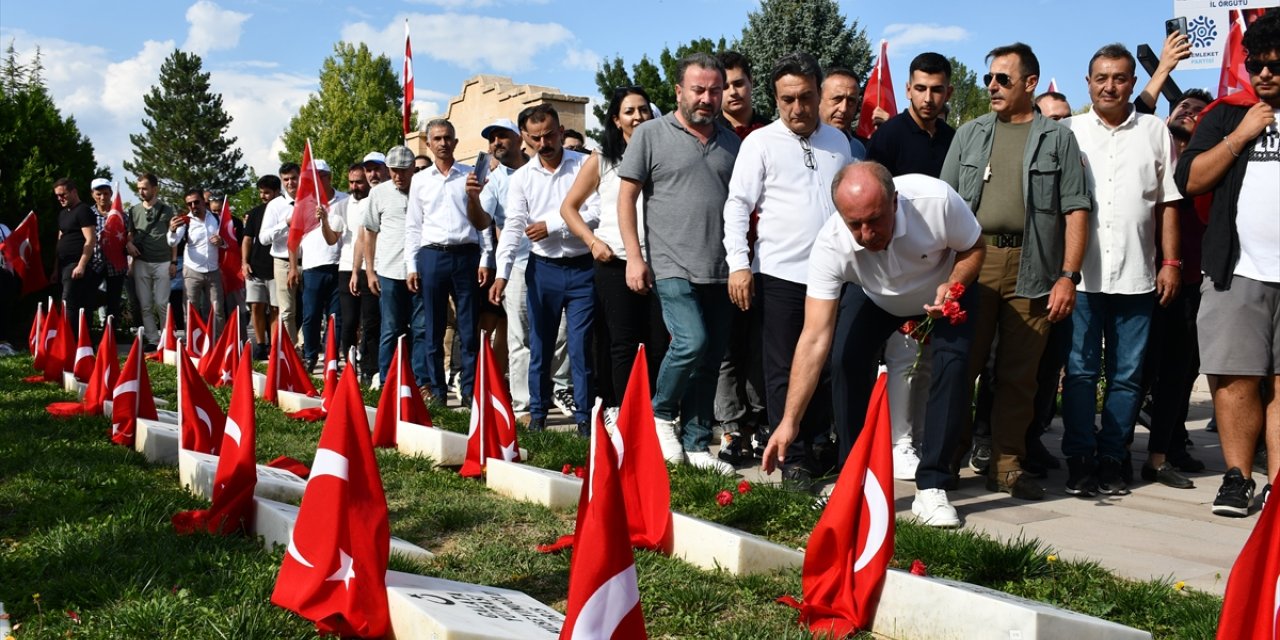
x=493 y=422
x=850 y=547
x=879 y=93
x=334 y=572
x=1251 y=606
x=408 y=79
x=22 y=251
x=237 y=474
x=33 y=337
x=82 y=366
x=1053 y=85
x=399 y=402
x=200 y=419
x=1234 y=78
x=131 y=398
x=49 y=329
x=604 y=598
x=115 y=234
x=61 y=348
x=106 y=368
x=284 y=369
x=304 y=219
x=314 y=414
x=219 y=363
x=230 y=259
x=168 y=341
x=199 y=339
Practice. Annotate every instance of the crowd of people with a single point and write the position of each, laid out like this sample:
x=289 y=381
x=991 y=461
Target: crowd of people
x=770 y=267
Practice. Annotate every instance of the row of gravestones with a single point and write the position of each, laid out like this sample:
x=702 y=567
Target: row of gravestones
x=911 y=606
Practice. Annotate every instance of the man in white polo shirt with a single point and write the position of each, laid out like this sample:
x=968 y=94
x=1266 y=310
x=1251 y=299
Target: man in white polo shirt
x=905 y=241
x=318 y=255
x=783 y=174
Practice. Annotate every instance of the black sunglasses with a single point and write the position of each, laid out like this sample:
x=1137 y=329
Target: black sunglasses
x=1255 y=67
x=1002 y=79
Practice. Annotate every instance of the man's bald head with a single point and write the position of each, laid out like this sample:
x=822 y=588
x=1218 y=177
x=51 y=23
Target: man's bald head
x=865 y=197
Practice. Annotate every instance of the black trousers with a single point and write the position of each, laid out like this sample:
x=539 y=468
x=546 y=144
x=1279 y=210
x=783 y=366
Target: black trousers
x=360 y=319
x=629 y=320
x=781 y=321
x=78 y=294
x=1170 y=370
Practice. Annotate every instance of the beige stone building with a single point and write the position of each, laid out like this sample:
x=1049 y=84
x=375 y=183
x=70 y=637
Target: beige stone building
x=485 y=98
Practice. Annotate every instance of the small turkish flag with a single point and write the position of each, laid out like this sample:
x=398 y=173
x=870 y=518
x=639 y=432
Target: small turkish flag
x=313 y=414
x=169 y=341
x=1251 y=606
x=230 y=260
x=493 y=422
x=131 y=398
x=1233 y=77
x=201 y=421
x=850 y=548
x=237 y=474
x=106 y=368
x=284 y=369
x=115 y=235
x=334 y=572
x=878 y=94
x=22 y=251
x=82 y=366
x=400 y=400
x=49 y=328
x=219 y=363
x=61 y=347
x=308 y=201
x=408 y=79
x=33 y=337
x=199 y=339
x=604 y=598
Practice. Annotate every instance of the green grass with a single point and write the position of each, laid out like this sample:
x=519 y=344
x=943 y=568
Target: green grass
x=85 y=525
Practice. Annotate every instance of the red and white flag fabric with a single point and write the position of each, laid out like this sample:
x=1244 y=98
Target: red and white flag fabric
x=199 y=338
x=82 y=366
x=303 y=218
x=334 y=571
x=131 y=398
x=284 y=369
x=200 y=419
x=22 y=251
x=850 y=548
x=168 y=340
x=1251 y=606
x=218 y=364
x=314 y=414
x=604 y=597
x=878 y=94
x=106 y=368
x=33 y=336
x=400 y=400
x=1234 y=78
x=1053 y=85
x=61 y=347
x=50 y=327
x=115 y=235
x=408 y=80
x=230 y=260
x=493 y=422
x=237 y=474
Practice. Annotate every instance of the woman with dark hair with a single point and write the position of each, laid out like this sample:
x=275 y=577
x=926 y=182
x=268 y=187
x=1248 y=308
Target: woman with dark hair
x=628 y=318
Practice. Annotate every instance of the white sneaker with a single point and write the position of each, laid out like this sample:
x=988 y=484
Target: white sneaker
x=610 y=420
x=672 y=450
x=932 y=509
x=704 y=460
x=905 y=461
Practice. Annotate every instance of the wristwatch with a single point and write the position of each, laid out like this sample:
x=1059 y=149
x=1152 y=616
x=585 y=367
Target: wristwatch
x=1073 y=276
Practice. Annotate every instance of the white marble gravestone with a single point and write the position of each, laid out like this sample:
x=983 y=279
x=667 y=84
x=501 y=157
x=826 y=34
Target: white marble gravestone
x=546 y=487
x=714 y=546
x=432 y=608
x=290 y=401
x=196 y=471
x=274 y=521
x=157 y=441
x=162 y=415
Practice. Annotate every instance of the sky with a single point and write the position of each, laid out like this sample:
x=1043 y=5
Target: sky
x=264 y=56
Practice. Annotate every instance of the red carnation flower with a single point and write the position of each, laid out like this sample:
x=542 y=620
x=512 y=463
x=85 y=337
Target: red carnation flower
x=744 y=486
x=918 y=568
x=724 y=498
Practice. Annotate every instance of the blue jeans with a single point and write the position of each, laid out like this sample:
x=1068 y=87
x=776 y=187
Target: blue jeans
x=442 y=273
x=697 y=315
x=319 y=300
x=1122 y=321
x=565 y=286
x=402 y=315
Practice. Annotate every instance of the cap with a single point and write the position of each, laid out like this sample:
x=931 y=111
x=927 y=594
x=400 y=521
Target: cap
x=374 y=156
x=400 y=157
x=500 y=123
x=99 y=183
x=321 y=166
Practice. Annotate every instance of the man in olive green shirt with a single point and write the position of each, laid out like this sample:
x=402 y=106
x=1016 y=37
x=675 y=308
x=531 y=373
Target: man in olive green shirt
x=156 y=262
x=1021 y=174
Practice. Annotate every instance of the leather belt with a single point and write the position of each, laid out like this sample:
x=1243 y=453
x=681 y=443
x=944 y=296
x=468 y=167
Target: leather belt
x=1005 y=240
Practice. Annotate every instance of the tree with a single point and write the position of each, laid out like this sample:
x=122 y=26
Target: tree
x=184 y=139
x=356 y=110
x=785 y=26
x=969 y=100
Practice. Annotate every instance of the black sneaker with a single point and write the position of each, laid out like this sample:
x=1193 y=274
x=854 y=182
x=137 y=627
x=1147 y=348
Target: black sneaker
x=798 y=476
x=1080 y=478
x=261 y=352
x=980 y=459
x=1262 y=497
x=537 y=425
x=759 y=440
x=1234 y=496
x=584 y=428
x=309 y=365
x=1167 y=476
x=1111 y=477
x=733 y=448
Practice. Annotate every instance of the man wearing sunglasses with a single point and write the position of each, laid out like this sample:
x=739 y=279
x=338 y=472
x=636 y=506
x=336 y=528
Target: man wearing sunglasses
x=1234 y=154
x=201 y=279
x=1022 y=175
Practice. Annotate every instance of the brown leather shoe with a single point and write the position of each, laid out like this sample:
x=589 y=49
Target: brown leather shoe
x=1017 y=484
x=427 y=396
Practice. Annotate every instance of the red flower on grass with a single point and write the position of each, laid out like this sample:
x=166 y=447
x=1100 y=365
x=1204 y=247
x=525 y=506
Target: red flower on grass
x=744 y=486
x=566 y=469
x=918 y=568
x=724 y=498
x=581 y=472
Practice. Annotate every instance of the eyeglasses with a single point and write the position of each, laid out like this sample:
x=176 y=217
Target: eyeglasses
x=193 y=204
x=422 y=168
x=809 y=160
x=1255 y=67
x=62 y=196
x=1002 y=79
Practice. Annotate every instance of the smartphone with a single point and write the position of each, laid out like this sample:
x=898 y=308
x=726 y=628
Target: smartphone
x=1176 y=24
x=482 y=167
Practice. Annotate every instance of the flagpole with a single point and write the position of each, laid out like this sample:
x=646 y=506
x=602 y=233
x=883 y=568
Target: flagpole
x=315 y=179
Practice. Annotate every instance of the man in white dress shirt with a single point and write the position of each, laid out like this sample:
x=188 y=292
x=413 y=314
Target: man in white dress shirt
x=318 y=256
x=275 y=232
x=201 y=280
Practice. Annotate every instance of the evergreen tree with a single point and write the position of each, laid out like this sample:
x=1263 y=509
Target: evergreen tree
x=357 y=110
x=184 y=140
x=970 y=99
x=814 y=26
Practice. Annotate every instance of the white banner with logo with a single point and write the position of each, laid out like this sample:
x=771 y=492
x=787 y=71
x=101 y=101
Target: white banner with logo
x=1208 y=26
